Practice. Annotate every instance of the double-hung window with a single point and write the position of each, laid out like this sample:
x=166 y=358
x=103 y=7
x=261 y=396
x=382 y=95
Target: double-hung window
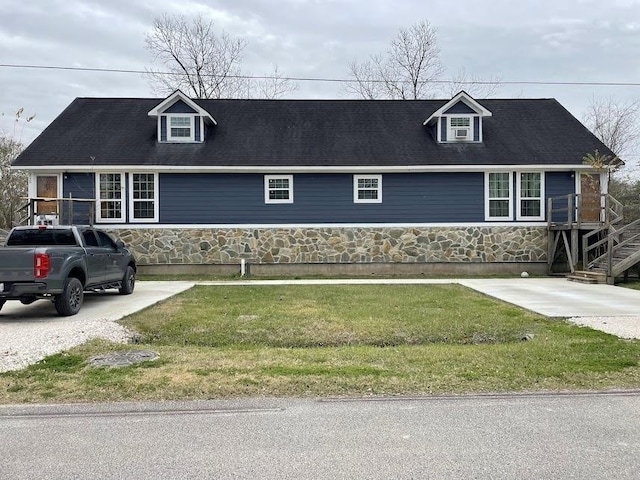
x=367 y=188
x=278 y=188
x=498 y=196
x=530 y=196
x=110 y=190
x=143 y=201
x=180 y=128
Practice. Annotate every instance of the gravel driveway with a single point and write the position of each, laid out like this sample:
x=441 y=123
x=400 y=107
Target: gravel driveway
x=28 y=333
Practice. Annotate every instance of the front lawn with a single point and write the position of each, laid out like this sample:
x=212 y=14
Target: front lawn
x=324 y=340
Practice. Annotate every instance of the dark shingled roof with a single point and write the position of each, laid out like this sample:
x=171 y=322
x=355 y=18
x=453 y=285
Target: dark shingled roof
x=118 y=131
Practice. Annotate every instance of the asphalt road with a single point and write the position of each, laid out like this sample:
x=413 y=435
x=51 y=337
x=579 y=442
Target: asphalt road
x=521 y=436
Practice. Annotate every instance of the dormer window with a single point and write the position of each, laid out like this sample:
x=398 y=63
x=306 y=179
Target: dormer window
x=460 y=128
x=180 y=129
x=181 y=120
x=458 y=120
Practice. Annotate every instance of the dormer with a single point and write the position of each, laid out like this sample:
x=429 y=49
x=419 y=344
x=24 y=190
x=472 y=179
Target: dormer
x=180 y=119
x=459 y=120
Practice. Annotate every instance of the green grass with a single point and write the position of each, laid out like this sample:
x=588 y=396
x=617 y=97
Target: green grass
x=329 y=316
x=324 y=340
x=634 y=284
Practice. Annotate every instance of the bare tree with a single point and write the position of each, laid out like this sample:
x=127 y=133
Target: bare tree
x=13 y=183
x=407 y=69
x=275 y=85
x=201 y=62
x=615 y=122
x=474 y=85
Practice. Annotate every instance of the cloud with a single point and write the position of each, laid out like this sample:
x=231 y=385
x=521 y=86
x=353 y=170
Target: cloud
x=561 y=40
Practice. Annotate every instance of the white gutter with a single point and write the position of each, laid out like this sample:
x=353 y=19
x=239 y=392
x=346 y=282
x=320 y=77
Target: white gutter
x=301 y=169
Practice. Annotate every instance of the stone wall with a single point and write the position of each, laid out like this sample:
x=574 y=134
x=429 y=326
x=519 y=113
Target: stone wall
x=154 y=246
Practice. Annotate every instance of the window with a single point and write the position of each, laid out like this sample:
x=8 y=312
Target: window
x=90 y=239
x=460 y=128
x=110 y=196
x=460 y=122
x=106 y=241
x=498 y=196
x=143 y=204
x=367 y=188
x=180 y=128
x=530 y=196
x=278 y=188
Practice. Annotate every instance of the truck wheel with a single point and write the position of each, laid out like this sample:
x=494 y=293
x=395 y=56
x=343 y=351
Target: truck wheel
x=128 y=281
x=70 y=300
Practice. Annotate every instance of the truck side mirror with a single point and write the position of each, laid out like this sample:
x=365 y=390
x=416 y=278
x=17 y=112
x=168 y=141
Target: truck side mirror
x=120 y=244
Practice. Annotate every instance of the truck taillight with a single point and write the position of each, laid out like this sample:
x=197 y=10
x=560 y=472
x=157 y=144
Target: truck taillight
x=42 y=265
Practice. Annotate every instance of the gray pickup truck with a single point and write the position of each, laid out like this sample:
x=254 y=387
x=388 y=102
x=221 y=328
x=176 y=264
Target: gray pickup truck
x=60 y=263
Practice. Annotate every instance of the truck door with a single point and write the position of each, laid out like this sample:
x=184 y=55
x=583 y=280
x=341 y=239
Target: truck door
x=114 y=261
x=96 y=258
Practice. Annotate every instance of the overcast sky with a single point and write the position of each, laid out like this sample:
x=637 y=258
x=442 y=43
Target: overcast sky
x=525 y=40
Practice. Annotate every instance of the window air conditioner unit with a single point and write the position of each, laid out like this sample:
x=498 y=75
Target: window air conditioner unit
x=461 y=133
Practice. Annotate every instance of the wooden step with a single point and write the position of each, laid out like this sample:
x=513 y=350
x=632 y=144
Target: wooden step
x=585 y=276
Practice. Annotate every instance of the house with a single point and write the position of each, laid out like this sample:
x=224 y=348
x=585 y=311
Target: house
x=424 y=186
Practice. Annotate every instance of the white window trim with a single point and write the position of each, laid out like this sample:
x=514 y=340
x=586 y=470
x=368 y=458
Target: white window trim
x=156 y=209
x=278 y=177
x=192 y=127
x=123 y=197
x=487 y=210
x=356 y=189
x=519 y=215
x=451 y=137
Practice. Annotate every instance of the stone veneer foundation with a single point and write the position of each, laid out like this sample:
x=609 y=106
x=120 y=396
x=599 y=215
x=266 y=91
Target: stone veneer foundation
x=336 y=245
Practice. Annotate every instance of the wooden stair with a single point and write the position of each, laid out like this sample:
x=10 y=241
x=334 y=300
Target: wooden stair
x=588 y=276
x=625 y=254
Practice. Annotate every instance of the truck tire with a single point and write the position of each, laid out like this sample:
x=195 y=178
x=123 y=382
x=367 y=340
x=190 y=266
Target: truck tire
x=128 y=281
x=70 y=300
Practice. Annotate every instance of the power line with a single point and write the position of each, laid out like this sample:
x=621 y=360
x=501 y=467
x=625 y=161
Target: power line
x=320 y=79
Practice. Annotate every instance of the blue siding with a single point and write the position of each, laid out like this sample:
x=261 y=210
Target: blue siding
x=321 y=198
x=443 y=129
x=180 y=107
x=318 y=198
x=78 y=185
x=476 y=129
x=163 y=128
x=196 y=121
x=460 y=107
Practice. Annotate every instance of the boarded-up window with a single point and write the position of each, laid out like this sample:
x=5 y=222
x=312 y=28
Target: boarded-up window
x=46 y=187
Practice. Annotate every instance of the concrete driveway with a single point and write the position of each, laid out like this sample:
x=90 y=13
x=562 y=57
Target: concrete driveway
x=559 y=298
x=107 y=306
x=615 y=310
x=28 y=333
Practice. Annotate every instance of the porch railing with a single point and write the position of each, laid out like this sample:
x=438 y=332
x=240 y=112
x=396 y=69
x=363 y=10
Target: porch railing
x=574 y=210
x=67 y=210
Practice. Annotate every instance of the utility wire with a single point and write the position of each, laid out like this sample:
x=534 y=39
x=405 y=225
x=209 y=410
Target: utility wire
x=329 y=80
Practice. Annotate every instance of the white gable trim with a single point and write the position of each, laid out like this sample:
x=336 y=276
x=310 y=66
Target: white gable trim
x=173 y=98
x=463 y=97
